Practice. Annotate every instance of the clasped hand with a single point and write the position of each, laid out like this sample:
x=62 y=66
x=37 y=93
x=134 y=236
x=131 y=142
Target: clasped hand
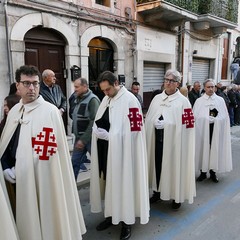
x=211 y=119
x=159 y=124
x=10 y=175
x=100 y=133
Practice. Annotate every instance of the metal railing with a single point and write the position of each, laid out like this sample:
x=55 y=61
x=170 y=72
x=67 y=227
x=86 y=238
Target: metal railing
x=226 y=9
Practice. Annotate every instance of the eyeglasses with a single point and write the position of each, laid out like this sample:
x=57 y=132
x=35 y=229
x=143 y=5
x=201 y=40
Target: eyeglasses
x=166 y=80
x=27 y=84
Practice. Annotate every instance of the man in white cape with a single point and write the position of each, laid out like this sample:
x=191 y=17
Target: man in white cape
x=47 y=202
x=121 y=176
x=213 y=139
x=170 y=144
x=7 y=224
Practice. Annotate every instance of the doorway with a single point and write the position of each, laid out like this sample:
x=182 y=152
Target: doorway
x=100 y=60
x=45 y=49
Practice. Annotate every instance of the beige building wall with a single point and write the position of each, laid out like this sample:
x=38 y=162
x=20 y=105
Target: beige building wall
x=78 y=22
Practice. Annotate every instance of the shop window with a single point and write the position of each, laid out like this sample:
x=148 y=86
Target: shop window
x=105 y=3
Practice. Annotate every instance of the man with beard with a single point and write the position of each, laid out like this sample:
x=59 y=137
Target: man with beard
x=119 y=162
x=35 y=155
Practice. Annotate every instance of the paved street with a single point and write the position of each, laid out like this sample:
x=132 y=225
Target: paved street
x=214 y=215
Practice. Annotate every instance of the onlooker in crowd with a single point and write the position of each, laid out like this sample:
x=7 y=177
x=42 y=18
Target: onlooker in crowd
x=235 y=67
x=237 y=109
x=7 y=227
x=52 y=92
x=189 y=87
x=233 y=103
x=9 y=102
x=219 y=90
x=171 y=144
x=72 y=104
x=213 y=141
x=119 y=161
x=156 y=92
x=135 y=90
x=224 y=95
x=13 y=89
x=84 y=112
x=195 y=93
x=184 y=91
x=34 y=154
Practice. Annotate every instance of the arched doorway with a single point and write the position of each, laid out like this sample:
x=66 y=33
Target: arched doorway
x=45 y=49
x=100 y=59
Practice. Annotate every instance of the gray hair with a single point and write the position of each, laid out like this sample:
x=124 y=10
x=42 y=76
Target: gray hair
x=176 y=75
x=46 y=72
x=196 y=82
x=83 y=81
x=208 y=80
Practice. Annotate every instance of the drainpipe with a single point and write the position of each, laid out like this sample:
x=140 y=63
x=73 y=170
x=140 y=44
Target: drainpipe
x=180 y=58
x=9 y=57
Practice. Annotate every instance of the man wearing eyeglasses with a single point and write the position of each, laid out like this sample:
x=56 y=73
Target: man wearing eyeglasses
x=35 y=156
x=170 y=144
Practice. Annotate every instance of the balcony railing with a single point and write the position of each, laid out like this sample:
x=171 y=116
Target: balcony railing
x=226 y=9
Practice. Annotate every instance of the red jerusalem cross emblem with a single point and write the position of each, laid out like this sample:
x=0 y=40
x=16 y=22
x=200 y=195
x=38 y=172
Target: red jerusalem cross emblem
x=45 y=143
x=135 y=119
x=188 y=118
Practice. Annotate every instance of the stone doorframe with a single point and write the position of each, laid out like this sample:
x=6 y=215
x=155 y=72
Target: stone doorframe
x=29 y=21
x=109 y=35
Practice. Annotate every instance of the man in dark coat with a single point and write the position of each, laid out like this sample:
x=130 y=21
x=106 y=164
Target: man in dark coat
x=52 y=92
x=194 y=94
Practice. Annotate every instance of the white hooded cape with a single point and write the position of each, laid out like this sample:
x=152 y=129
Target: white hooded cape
x=219 y=156
x=126 y=189
x=7 y=224
x=48 y=206
x=177 y=180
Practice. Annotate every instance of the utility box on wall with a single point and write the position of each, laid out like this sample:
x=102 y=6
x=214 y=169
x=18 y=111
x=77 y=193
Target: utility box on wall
x=75 y=72
x=121 y=79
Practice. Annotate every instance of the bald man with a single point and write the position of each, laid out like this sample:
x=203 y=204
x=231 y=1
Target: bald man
x=51 y=92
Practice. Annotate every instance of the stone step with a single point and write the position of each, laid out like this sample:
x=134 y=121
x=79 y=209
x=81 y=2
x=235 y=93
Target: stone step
x=84 y=177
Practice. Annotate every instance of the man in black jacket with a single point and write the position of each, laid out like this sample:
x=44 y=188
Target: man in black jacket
x=194 y=94
x=51 y=92
x=233 y=103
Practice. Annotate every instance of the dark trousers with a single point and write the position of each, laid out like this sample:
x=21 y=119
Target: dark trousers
x=159 y=134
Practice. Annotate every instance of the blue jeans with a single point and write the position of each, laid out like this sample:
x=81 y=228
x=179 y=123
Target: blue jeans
x=234 y=68
x=78 y=157
x=231 y=115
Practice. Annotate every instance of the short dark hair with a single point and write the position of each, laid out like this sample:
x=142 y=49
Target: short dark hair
x=107 y=76
x=12 y=89
x=208 y=80
x=135 y=83
x=83 y=81
x=28 y=70
x=12 y=100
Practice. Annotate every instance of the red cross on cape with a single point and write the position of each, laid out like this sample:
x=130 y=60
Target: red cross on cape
x=135 y=118
x=45 y=143
x=188 y=118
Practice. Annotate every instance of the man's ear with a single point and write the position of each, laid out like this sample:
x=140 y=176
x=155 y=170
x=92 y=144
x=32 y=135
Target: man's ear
x=116 y=83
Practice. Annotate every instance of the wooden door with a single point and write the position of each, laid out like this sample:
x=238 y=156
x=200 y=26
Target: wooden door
x=225 y=57
x=48 y=56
